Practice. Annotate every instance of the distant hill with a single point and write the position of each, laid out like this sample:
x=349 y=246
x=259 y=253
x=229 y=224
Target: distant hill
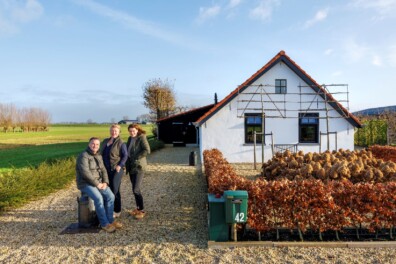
x=376 y=110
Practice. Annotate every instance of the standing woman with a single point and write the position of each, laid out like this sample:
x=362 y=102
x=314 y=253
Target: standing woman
x=115 y=155
x=138 y=149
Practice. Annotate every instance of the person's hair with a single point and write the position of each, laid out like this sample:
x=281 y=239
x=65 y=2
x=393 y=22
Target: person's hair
x=93 y=138
x=116 y=126
x=138 y=127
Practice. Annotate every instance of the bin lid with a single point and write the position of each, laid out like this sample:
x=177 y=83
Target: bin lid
x=236 y=194
x=212 y=199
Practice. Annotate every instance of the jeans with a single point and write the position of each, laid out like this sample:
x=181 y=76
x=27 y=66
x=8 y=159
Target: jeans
x=136 y=179
x=104 y=203
x=115 y=183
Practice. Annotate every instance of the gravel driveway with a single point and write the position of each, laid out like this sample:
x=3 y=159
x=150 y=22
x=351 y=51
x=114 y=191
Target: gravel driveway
x=173 y=231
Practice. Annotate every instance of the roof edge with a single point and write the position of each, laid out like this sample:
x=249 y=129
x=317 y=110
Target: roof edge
x=281 y=56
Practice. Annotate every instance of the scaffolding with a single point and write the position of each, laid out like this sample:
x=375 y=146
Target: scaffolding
x=264 y=100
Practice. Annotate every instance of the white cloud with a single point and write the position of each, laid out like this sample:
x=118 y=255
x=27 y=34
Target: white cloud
x=64 y=21
x=142 y=26
x=319 y=16
x=376 y=60
x=264 y=10
x=6 y=26
x=234 y=3
x=354 y=51
x=381 y=6
x=336 y=73
x=206 y=13
x=380 y=9
x=392 y=56
x=30 y=11
x=14 y=13
x=328 y=52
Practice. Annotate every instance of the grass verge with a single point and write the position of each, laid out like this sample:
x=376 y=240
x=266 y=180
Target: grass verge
x=21 y=185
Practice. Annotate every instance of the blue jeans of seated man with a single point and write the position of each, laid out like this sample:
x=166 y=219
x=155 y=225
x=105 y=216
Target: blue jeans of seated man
x=104 y=203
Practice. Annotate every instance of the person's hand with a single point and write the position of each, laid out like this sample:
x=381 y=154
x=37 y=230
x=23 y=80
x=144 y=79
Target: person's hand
x=102 y=186
x=118 y=168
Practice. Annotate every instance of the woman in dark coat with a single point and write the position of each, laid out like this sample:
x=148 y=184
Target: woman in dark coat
x=114 y=153
x=138 y=148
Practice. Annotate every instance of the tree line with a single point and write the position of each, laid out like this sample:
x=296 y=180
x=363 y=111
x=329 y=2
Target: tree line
x=23 y=119
x=377 y=130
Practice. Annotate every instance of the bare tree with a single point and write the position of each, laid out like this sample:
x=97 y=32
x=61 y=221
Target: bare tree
x=14 y=117
x=44 y=119
x=144 y=118
x=182 y=108
x=28 y=119
x=159 y=97
x=6 y=112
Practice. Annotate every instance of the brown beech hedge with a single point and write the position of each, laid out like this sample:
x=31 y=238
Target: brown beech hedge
x=320 y=192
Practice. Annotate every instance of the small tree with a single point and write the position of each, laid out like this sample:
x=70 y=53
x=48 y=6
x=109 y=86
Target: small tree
x=159 y=97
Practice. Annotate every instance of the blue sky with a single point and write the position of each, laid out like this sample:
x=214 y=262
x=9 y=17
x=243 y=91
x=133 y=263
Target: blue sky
x=86 y=59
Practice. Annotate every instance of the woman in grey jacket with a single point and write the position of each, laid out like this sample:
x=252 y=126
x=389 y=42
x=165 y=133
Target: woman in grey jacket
x=138 y=148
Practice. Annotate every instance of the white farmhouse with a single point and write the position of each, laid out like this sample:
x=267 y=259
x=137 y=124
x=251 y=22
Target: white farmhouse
x=292 y=109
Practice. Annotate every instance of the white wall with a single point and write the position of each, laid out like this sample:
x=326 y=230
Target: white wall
x=225 y=130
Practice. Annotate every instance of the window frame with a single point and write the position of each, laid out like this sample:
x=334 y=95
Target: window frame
x=281 y=87
x=307 y=121
x=257 y=126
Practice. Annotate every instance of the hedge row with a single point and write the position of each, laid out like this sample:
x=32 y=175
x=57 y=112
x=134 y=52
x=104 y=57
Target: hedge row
x=306 y=203
x=386 y=153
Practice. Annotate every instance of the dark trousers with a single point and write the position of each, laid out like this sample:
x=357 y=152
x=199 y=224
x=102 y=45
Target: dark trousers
x=115 y=183
x=136 y=180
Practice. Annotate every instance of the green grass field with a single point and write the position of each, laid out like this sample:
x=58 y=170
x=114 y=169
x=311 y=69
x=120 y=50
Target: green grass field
x=45 y=161
x=18 y=150
x=61 y=134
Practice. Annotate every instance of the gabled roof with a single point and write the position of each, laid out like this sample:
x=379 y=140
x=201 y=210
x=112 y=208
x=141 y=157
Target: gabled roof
x=282 y=57
x=191 y=111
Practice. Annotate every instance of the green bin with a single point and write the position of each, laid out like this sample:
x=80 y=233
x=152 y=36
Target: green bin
x=236 y=206
x=218 y=228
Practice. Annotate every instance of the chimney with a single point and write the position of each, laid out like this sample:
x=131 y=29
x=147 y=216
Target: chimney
x=215 y=98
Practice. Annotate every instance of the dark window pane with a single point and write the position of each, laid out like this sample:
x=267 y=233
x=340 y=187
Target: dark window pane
x=280 y=86
x=308 y=134
x=309 y=127
x=253 y=122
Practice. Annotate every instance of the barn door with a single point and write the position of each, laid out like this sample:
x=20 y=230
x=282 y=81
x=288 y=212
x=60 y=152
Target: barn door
x=178 y=134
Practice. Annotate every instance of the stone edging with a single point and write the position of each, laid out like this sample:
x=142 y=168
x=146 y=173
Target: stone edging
x=371 y=244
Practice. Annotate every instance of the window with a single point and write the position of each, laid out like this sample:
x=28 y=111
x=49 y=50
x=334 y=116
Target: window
x=280 y=86
x=252 y=123
x=308 y=127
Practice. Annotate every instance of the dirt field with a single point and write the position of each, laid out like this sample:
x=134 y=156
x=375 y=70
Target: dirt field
x=173 y=231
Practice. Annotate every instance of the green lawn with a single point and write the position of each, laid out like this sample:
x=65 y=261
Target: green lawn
x=35 y=164
x=18 y=150
x=61 y=134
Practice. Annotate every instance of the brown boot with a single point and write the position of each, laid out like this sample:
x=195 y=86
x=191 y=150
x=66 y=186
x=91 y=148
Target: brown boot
x=140 y=214
x=109 y=228
x=116 y=225
x=134 y=212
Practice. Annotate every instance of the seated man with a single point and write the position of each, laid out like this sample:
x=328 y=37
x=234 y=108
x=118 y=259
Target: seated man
x=92 y=179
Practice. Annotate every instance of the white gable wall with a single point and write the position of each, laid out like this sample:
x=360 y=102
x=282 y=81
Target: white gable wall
x=226 y=131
